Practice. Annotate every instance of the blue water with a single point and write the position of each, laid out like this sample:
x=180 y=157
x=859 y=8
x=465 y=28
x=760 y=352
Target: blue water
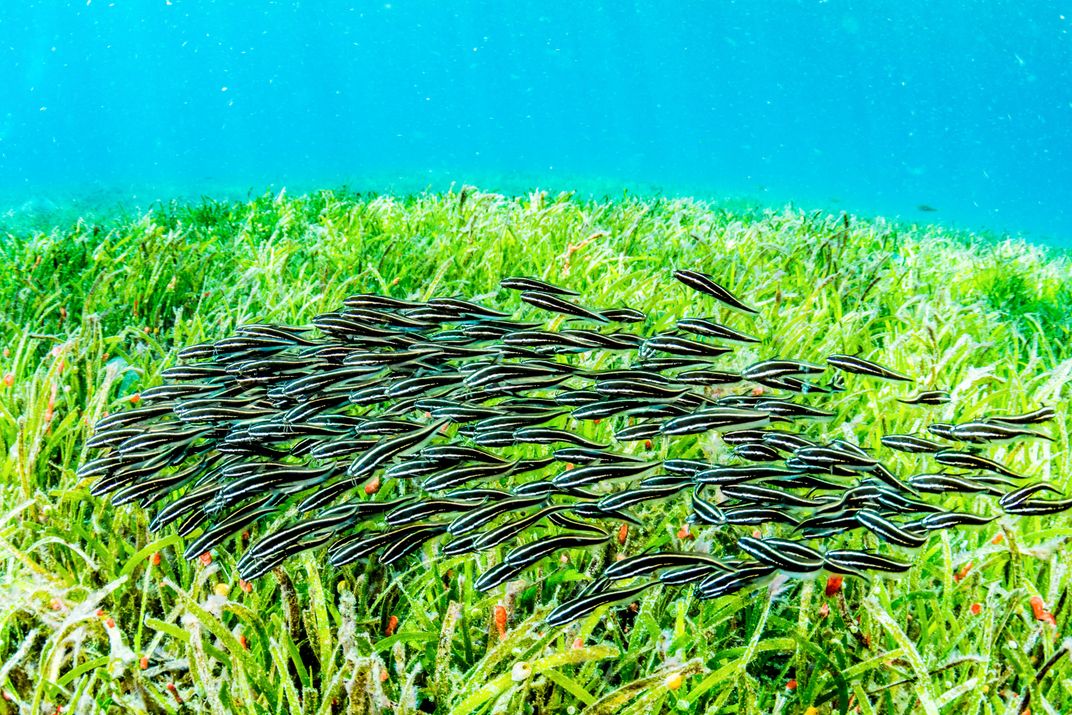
x=874 y=108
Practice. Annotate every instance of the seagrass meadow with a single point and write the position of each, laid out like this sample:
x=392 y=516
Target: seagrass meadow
x=99 y=614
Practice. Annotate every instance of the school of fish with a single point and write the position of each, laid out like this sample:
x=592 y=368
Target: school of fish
x=388 y=425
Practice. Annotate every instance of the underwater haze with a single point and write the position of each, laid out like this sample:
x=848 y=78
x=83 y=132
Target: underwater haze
x=953 y=112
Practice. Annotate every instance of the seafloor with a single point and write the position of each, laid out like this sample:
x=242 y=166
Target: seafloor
x=98 y=614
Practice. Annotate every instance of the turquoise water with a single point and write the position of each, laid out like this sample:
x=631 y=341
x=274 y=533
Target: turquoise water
x=956 y=112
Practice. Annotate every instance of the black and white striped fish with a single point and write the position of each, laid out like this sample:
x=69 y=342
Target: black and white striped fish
x=782 y=554
x=967 y=460
x=555 y=304
x=983 y=432
x=718 y=419
x=705 y=284
x=928 y=397
x=911 y=444
x=859 y=366
x=580 y=607
x=523 y=283
x=710 y=329
x=1042 y=414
